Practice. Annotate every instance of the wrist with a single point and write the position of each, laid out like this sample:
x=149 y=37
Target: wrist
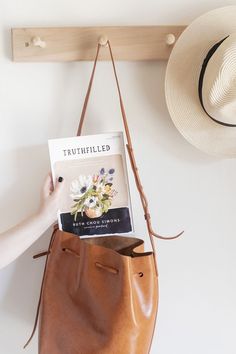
x=46 y=216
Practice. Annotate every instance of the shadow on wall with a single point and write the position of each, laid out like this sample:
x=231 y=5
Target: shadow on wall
x=7 y=42
x=150 y=79
x=21 y=200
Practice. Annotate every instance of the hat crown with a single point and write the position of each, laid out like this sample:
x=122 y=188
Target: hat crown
x=219 y=83
x=208 y=37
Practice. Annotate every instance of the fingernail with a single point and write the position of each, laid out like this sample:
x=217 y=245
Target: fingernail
x=60 y=179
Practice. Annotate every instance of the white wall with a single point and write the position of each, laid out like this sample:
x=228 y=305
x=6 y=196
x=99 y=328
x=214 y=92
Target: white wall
x=186 y=188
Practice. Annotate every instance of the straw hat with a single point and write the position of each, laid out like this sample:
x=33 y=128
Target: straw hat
x=200 y=83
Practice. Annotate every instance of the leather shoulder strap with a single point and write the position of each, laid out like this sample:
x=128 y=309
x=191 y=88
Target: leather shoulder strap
x=143 y=198
x=129 y=146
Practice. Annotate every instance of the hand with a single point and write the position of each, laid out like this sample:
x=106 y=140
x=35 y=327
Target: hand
x=20 y=237
x=50 y=198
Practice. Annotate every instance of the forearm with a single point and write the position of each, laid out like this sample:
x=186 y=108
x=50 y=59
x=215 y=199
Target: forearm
x=15 y=241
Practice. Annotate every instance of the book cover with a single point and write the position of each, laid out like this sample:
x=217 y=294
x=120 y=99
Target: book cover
x=96 y=198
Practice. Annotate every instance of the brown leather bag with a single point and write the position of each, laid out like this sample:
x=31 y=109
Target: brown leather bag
x=99 y=295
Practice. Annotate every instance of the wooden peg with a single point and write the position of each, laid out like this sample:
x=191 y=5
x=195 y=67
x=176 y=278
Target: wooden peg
x=38 y=42
x=103 y=41
x=170 y=39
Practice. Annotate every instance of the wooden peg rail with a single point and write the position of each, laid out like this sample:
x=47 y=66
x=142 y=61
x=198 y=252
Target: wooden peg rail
x=79 y=43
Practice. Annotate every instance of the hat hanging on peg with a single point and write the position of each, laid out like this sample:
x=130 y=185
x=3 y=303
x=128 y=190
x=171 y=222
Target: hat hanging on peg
x=103 y=41
x=170 y=39
x=38 y=42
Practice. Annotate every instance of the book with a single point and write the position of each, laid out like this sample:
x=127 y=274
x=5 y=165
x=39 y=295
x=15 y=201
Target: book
x=96 y=196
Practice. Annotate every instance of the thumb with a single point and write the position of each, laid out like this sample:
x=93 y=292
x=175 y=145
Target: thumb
x=47 y=186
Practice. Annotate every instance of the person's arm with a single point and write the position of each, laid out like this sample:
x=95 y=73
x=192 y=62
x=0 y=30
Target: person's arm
x=15 y=241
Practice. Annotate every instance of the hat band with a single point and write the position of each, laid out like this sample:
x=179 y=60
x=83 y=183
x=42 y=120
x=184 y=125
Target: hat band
x=201 y=77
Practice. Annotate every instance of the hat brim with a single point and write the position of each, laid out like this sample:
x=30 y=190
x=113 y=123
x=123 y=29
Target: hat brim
x=181 y=83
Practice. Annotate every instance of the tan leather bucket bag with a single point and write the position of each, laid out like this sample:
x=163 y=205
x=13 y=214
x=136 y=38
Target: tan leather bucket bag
x=99 y=295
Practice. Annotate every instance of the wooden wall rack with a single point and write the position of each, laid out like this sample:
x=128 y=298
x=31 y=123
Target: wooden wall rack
x=63 y=44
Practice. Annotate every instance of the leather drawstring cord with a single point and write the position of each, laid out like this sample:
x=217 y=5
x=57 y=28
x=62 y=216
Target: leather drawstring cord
x=143 y=197
x=41 y=290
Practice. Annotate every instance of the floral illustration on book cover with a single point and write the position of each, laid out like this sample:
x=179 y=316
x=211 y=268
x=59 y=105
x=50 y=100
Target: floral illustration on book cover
x=93 y=195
